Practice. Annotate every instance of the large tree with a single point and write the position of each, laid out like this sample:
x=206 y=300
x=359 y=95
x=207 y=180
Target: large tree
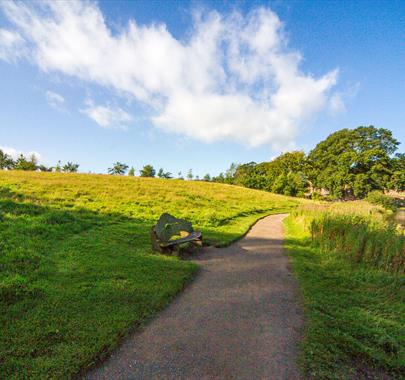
x=353 y=161
x=397 y=181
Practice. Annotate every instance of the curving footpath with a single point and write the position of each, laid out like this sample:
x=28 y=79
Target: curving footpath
x=239 y=319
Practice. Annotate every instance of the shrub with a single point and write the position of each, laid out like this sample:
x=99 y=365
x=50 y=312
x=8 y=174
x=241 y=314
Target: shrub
x=377 y=198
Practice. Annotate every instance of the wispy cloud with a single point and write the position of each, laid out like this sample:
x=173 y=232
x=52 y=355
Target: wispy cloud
x=107 y=116
x=11 y=45
x=233 y=78
x=55 y=100
x=337 y=102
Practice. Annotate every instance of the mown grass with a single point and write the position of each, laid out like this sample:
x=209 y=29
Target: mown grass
x=354 y=309
x=76 y=268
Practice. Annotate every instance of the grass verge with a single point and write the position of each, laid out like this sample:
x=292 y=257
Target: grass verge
x=355 y=315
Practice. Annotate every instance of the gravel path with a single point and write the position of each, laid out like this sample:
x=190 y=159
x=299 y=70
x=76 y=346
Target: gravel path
x=239 y=319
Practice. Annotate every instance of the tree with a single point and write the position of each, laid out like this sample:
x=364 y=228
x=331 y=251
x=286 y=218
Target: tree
x=207 y=178
x=272 y=176
x=70 y=167
x=162 y=174
x=190 y=175
x=131 y=172
x=148 y=171
x=219 y=178
x=118 y=168
x=179 y=175
x=6 y=162
x=58 y=167
x=22 y=163
x=397 y=181
x=230 y=173
x=353 y=161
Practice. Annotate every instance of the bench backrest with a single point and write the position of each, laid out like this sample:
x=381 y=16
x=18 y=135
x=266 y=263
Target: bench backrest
x=168 y=226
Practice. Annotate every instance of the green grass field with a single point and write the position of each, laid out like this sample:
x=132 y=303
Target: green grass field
x=77 y=272
x=351 y=277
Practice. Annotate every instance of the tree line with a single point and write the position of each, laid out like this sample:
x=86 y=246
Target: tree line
x=31 y=164
x=348 y=163
x=119 y=168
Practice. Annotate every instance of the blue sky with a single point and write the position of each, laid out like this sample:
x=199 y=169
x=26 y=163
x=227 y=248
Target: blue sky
x=195 y=84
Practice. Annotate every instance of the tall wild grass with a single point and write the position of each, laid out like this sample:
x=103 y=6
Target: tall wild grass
x=359 y=231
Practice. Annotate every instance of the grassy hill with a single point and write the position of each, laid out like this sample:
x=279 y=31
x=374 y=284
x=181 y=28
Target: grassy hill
x=77 y=271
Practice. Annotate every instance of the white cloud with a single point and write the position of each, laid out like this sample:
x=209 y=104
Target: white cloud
x=11 y=45
x=107 y=116
x=232 y=78
x=55 y=100
x=15 y=153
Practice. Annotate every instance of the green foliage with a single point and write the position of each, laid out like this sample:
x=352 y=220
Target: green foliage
x=190 y=175
x=70 y=167
x=22 y=163
x=292 y=184
x=354 y=314
x=207 y=178
x=6 y=162
x=44 y=168
x=163 y=174
x=230 y=174
x=58 y=167
x=397 y=180
x=118 y=168
x=131 y=172
x=77 y=269
x=284 y=175
x=377 y=198
x=148 y=171
x=353 y=162
x=348 y=163
x=316 y=196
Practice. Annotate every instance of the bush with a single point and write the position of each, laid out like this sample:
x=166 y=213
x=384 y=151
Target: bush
x=377 y=198
x=317 y=196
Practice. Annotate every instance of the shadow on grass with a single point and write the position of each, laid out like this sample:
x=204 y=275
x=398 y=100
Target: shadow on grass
x=72 y=283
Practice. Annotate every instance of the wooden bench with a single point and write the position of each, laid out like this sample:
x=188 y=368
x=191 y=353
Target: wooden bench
x=168 y=227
